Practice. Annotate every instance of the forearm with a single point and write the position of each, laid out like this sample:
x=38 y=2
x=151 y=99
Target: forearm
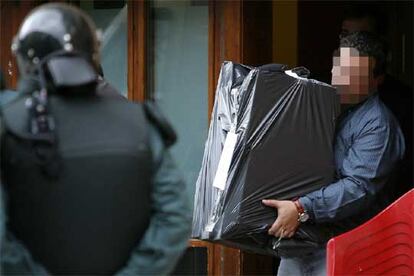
x=338 y=200
x=365 y=164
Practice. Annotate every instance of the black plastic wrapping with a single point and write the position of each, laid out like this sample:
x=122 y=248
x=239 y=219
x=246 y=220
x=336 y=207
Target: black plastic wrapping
x=285 y=126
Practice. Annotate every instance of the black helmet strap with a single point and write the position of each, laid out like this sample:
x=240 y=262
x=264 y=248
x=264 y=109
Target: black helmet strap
x=42 y=127
x=42 y=132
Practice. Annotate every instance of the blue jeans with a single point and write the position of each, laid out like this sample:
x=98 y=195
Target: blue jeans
x=313 y=264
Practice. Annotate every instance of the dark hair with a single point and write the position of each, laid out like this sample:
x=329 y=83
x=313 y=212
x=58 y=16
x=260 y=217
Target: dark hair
x=367 y=44
x=377 y=18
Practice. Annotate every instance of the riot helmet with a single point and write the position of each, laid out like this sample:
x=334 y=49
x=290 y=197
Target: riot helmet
x=54 y=28
x=57 y=50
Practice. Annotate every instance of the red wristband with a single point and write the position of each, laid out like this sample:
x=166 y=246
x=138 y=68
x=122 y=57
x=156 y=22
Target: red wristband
x=299 y=206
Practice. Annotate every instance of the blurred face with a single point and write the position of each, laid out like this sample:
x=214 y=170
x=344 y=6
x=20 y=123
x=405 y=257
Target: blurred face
x=352 y=75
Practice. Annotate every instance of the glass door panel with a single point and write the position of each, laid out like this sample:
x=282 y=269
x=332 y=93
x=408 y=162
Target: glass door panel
x=111 y=18
x=178 y=57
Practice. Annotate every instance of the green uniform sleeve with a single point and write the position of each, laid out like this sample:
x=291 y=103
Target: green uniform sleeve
x=167 y=235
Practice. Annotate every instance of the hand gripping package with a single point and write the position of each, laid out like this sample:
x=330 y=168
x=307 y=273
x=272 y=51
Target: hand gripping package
x=271 y=137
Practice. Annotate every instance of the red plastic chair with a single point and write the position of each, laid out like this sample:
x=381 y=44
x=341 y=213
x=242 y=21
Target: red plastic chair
x=383 y=245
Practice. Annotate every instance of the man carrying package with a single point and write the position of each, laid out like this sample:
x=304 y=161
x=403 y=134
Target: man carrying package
x=368 y=145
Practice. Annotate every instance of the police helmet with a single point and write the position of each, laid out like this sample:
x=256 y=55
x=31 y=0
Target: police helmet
x=52 y=28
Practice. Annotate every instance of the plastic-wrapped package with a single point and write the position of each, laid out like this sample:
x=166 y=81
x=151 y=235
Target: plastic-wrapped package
x=270 y=137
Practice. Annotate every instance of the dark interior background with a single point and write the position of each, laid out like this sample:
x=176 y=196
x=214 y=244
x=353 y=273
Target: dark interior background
x=319 y=24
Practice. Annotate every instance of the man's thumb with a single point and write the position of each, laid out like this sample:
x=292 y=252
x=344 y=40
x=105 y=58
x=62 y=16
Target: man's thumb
x=271 y=202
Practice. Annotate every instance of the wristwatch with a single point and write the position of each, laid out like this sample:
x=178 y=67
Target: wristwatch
x=303 y=216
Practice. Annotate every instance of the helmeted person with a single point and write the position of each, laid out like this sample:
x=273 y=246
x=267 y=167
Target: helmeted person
x=89 y=185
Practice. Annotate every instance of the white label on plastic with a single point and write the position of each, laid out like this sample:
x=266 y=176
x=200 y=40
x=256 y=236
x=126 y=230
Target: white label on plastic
x=209 y=227
x=293 y=74
x=225 y=160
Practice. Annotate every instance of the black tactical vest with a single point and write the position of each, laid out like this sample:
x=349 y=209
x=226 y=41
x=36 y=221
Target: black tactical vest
x=89 y=217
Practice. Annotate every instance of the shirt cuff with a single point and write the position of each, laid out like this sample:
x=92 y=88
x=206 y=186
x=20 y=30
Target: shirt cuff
x=307 y=206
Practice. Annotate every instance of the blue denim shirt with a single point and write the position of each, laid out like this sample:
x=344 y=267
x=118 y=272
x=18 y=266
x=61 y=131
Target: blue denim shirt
x=368 y=145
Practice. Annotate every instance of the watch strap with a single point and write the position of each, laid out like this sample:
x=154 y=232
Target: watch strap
x=299 y=207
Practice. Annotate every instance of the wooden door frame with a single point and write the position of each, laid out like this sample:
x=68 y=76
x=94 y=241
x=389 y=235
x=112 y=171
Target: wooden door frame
x=232 y=33
x=138 y=21
x=224 y=43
